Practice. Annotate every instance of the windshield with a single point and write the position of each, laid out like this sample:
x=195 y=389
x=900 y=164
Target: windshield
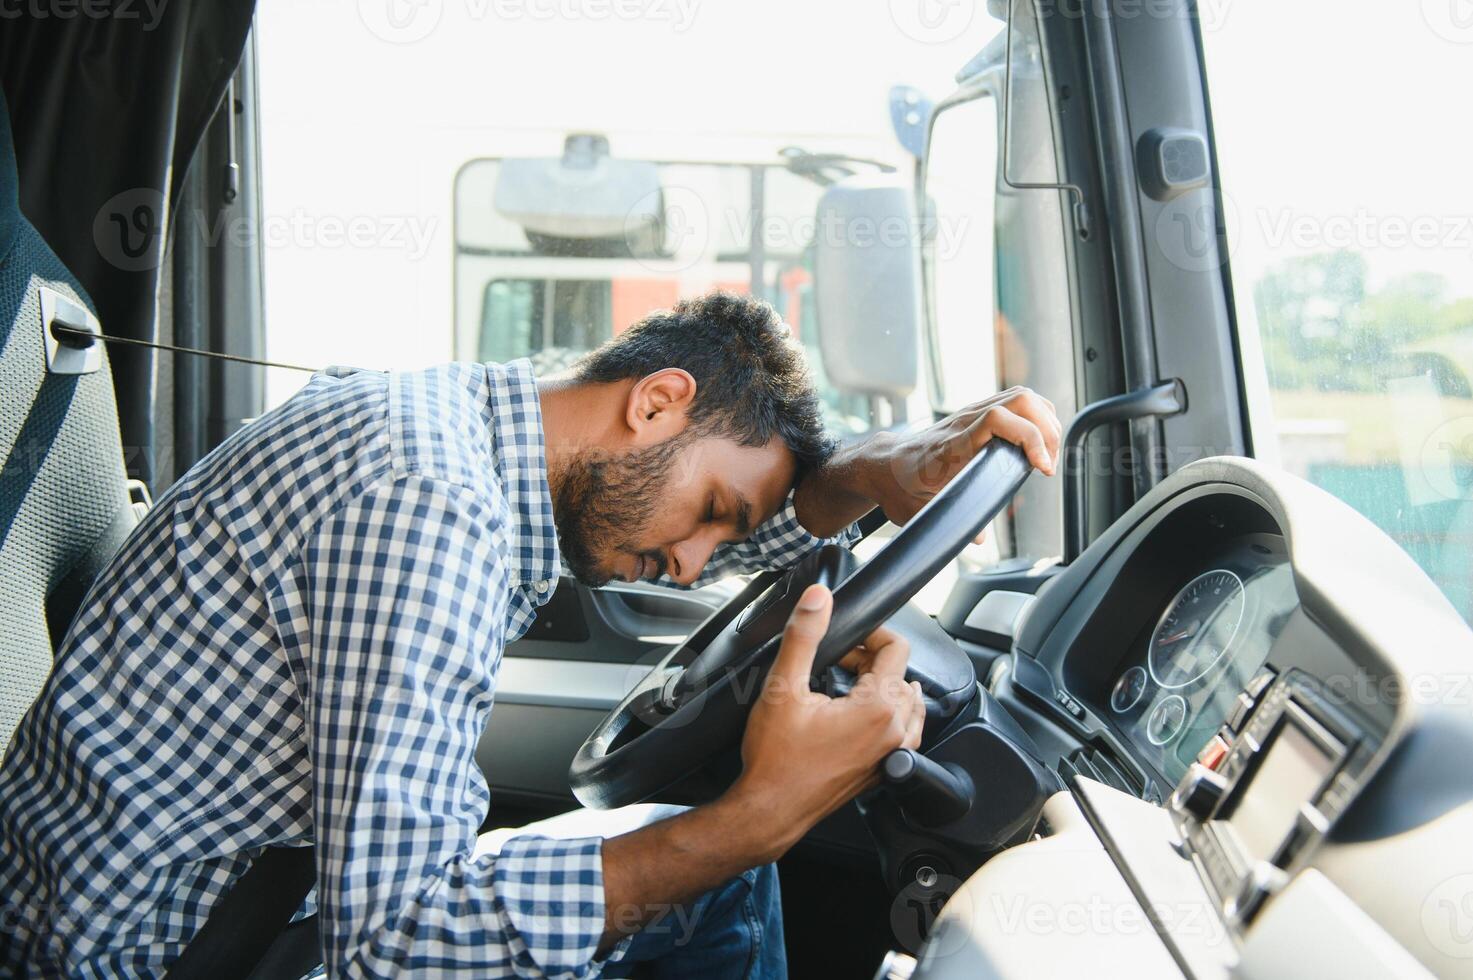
x=488 y=181
x=1352 y=256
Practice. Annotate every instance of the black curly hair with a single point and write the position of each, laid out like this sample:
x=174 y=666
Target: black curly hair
x=752 y=381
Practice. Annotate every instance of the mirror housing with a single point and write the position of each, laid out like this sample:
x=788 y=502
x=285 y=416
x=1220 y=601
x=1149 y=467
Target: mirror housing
x=867 y=284
x=583 y=195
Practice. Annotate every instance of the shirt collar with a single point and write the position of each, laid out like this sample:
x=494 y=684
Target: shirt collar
x=514 y=418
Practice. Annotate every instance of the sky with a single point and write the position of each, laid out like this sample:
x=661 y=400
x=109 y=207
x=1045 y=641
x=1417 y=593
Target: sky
x=1344 y=121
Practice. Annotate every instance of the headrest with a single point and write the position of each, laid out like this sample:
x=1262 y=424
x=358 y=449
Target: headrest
x=9 y=182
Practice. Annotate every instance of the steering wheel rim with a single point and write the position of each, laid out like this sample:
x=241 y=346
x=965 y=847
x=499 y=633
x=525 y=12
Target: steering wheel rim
x=684 y=712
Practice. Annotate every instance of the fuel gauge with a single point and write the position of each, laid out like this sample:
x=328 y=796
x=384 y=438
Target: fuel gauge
x=1128 y=690
x=1167 y=719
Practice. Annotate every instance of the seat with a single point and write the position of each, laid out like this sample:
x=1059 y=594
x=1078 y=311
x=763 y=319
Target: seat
x=64 y=502
x=65 y=507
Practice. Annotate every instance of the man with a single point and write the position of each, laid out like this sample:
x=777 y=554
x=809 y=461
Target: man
x=301 y=643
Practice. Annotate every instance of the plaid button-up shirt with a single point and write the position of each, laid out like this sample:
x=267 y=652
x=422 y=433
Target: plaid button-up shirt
x=300 y=643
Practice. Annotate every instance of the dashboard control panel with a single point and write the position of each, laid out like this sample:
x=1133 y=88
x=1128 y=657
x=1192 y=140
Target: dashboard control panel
x=1244 y=640
x=1265 y=790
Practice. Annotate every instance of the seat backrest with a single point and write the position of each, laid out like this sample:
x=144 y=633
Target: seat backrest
x=64 y=506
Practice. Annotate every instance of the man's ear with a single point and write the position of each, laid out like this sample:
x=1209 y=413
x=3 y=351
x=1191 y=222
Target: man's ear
x=658 y=404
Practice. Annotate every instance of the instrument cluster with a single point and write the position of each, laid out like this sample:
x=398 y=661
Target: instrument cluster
x=1209 y=640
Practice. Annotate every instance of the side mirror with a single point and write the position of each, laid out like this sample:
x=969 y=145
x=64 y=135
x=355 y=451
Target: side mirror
x=867 y=285
x=585 y=202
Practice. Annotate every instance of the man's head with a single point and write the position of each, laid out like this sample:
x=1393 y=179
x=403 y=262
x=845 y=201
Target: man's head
x=718 y=418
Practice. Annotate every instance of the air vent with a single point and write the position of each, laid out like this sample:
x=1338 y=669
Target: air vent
x=1104 y=766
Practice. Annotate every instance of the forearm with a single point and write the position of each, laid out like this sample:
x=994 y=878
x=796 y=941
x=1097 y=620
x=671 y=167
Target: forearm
x=840 y=492
x=679 y=859
x=900 y=471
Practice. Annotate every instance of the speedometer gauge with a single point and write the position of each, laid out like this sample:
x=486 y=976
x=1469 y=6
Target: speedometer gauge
x=1197 y=629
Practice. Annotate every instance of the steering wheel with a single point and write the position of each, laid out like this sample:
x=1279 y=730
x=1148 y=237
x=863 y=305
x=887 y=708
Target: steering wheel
x=692 y=707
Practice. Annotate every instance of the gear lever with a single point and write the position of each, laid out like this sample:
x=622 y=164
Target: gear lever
x=929 y=793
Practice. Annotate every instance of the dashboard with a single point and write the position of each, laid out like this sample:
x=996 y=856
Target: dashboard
x=1250 y=696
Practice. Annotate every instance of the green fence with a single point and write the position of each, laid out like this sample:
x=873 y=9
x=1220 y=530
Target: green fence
x=1437 y=534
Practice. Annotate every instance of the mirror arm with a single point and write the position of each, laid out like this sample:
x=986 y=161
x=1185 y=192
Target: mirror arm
x=757 y=240
x=1081 y=210
x=1159 y=401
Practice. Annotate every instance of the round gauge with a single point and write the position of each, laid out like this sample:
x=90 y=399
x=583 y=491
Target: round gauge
x=1196 y=629
x=1128 y=689
x=1167 y=719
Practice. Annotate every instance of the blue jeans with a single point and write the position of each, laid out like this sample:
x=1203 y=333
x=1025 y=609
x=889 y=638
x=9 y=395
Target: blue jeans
x=732 y=933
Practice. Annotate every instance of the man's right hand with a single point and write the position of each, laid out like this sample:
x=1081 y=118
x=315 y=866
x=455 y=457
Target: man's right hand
x=806 y=754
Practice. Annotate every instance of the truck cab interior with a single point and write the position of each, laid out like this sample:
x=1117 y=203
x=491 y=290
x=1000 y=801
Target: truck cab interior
x=1200 y=706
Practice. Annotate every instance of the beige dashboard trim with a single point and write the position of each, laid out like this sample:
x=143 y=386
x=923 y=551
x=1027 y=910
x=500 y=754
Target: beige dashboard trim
x=1055 y=906
x=1313 y=928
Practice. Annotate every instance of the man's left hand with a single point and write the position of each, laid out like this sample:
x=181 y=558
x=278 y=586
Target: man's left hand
x=900 y=472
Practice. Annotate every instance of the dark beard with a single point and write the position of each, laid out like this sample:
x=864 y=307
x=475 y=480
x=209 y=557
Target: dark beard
x=603 y=504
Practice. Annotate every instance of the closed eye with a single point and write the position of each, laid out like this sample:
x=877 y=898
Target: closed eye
x=744 y=517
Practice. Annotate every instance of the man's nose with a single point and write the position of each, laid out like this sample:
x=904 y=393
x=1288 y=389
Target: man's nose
x=688 y=559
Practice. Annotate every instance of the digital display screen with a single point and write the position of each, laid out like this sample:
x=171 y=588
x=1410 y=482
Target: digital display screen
x=1293 y=769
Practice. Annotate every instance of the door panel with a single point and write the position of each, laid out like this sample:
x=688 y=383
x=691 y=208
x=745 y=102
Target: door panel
x=620 y=623
x=526 y=750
